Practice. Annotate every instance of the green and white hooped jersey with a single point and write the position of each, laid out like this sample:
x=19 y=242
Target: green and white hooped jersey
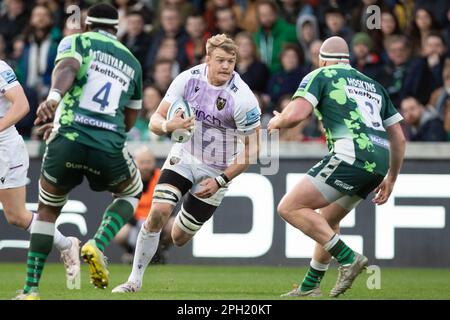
x=355 y=111
x=109 y=80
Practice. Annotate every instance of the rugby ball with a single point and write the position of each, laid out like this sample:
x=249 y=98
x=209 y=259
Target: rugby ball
x=180 y=135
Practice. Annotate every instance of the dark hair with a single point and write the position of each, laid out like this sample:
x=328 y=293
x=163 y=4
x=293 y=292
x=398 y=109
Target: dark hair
x=334 y=10
x=298 y=51
x=270 y=3
x=102 y=10
x=392 y=14
x=413 y=30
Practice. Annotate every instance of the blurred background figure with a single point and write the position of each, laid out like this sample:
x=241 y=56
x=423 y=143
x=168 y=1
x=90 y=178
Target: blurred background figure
x=422 y=123
x=195 y=46
x=145 y=161
x=440 y=98
x=252 y=71
x=135 y=38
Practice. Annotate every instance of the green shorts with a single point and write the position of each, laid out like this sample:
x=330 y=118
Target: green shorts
x=344 y=177
x=66 y=162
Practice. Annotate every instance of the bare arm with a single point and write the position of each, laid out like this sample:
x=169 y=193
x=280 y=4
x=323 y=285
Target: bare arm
x=19 y=107
x=62 y=80
x=397 y=152
x=246 y=157
x=130 y=118
x=243 y=160
x=296 y=111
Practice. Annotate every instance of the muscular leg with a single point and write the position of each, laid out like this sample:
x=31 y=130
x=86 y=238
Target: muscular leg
x=13 y=201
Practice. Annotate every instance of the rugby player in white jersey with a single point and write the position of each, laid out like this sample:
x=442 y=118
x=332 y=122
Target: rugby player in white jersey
x=14 y=164
x=227 y=122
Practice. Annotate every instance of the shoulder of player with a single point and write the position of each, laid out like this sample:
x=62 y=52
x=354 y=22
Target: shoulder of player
x=4 y=66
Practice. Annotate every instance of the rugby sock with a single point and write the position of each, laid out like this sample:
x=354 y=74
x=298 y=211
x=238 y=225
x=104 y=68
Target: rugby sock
x=61 y=242
x=146 y=246
x=340 y=251
x=314 y=275
x=41 y=242
x=116 y=215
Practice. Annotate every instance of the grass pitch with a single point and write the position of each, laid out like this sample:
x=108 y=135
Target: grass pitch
x=172 y=282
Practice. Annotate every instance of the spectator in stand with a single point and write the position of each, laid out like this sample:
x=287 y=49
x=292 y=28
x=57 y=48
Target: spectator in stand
x=210 y=13
x=38 y=57
x=151 y=97
x=290 y=10
x=307 y=32
x=446 y=32
x=314 y=50
x=13 y=22
x=395 y=70
x=195 y=46
x=389 y=27
x=226 y=22
x=246 y=15
x=363 y=59
x=423 y=25
x=336 y=24
x=135 y=38
x=425 y=75
x=440 y=98
x=272 y=34
x=169 y=51
x=286 y=82
x=162 y=75
x=171 y=27
x=252 y=71
x=422 y=124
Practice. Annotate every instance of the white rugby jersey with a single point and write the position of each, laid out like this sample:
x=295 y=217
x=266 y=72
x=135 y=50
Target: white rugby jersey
x=8 y=80
x=221 y=113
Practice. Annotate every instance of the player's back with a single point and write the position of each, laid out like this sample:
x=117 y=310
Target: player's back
x=109 y=80
x=355 y=110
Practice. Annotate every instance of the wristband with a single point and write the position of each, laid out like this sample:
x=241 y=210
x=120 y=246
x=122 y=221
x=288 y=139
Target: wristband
x=222 y=180
x=164 y=126
x=54 y=95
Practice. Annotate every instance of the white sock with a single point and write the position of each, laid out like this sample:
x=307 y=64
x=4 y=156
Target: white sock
x=146 y=245
x=332 y=242
x=60 y=242
x=318 y=265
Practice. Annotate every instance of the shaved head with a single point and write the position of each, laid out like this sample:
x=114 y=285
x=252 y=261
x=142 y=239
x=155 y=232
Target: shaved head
x=334 y=50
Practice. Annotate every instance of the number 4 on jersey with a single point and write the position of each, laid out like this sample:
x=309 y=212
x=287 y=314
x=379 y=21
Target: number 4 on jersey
x=102 y=96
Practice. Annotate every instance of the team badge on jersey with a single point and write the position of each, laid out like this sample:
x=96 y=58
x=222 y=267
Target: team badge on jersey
x=220 y=103
x=174 y=160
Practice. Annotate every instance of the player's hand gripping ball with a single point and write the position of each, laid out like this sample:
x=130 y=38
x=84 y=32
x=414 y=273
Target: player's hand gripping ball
x=181 y=135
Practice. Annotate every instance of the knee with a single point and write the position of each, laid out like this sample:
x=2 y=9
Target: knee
x=17 y=218
x=283 y=211
x=179 y=241
x=157 y=218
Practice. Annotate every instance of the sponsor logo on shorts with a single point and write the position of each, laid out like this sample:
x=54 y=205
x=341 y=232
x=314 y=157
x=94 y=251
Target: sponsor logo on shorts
x=174 y=160
x=379 y=141
x=343 y=185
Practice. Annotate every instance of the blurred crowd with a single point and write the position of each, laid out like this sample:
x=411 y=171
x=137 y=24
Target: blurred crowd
x=405 y=47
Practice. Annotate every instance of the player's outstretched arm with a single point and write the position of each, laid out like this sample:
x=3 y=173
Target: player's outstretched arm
x=62 y=80
x=131 y=116
x=397 y=152
x=19 y=107
x=296 y=111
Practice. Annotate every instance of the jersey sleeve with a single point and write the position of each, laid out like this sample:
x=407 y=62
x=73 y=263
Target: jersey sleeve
x=389 y=113
x=8 y=78
x=136 y=97
x=310 y=88
x=176 y=88
x=69 y=47
x=247 y=113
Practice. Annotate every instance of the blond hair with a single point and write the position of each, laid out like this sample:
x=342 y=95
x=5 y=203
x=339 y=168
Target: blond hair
x=223 y=42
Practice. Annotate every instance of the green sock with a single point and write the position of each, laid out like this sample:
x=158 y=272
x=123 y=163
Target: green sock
x=41 y=243
x=342 y=253
x=312 y=279
x=116 y=215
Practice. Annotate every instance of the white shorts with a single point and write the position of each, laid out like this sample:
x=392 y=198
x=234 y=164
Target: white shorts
x=14 y=163
x=186 y=165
